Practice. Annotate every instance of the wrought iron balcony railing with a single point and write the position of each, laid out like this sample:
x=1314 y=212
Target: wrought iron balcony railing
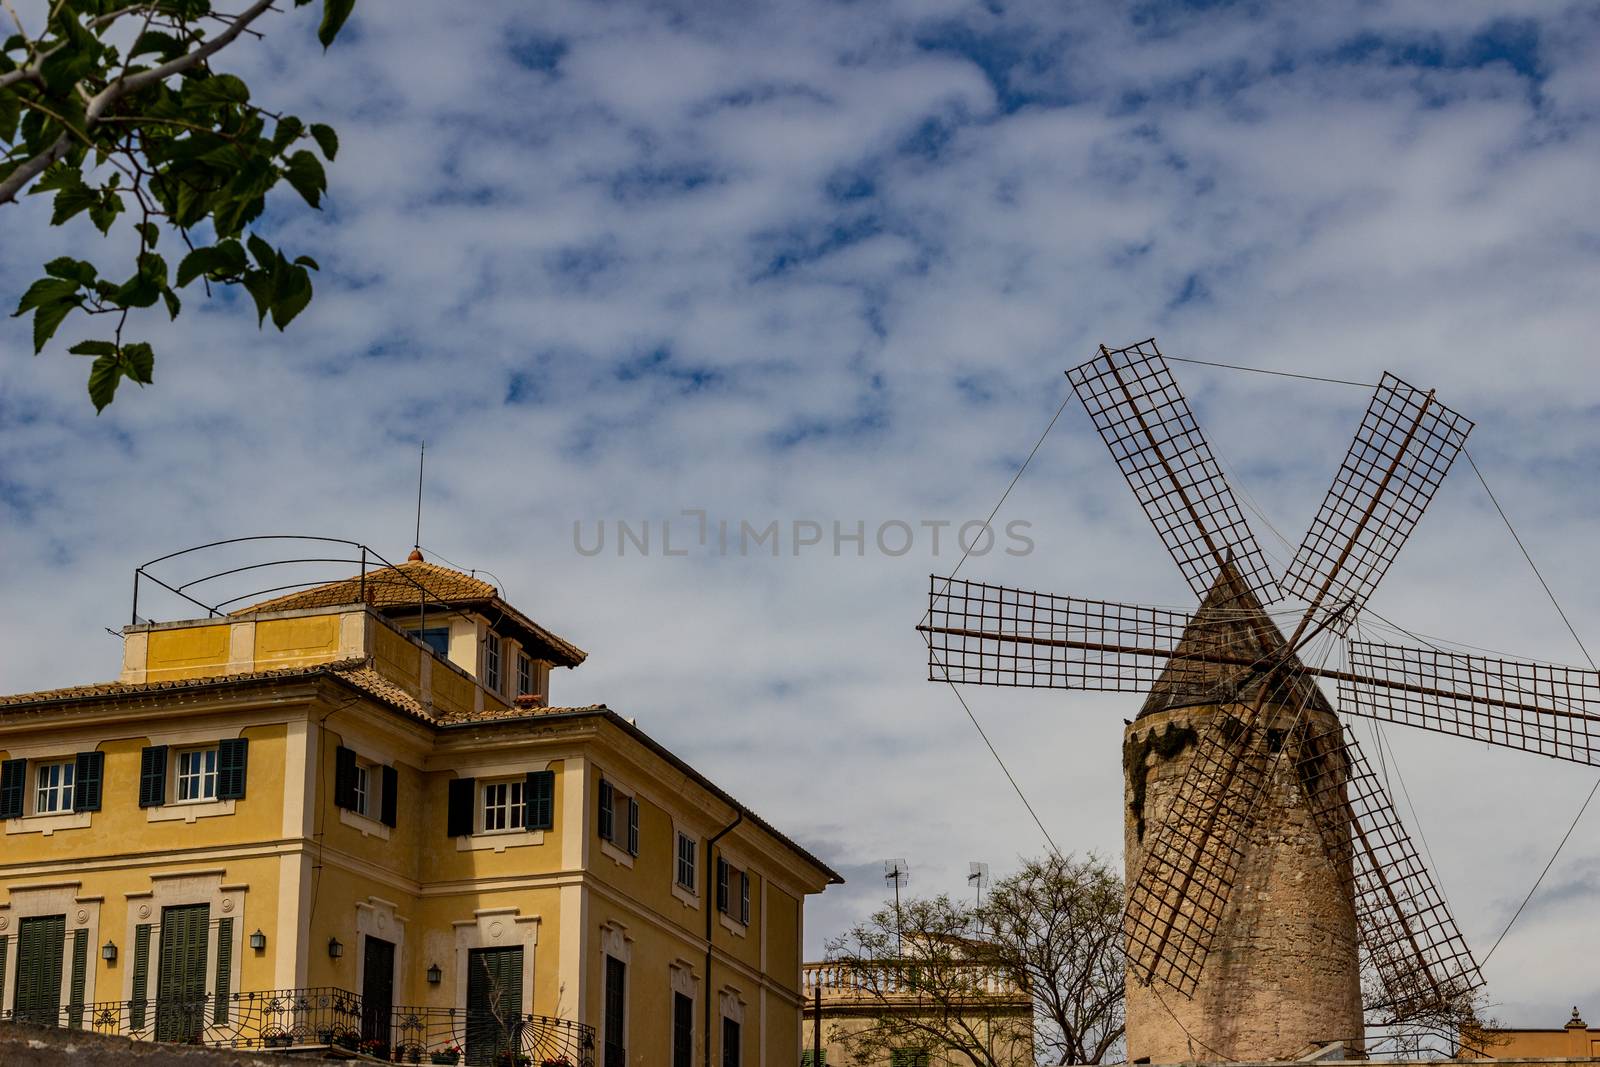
x=302 y=1018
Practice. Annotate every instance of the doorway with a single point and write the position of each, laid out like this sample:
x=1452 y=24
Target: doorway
x=494 y=1003
x=377 y=989
x=41 y=942
x=181 y=979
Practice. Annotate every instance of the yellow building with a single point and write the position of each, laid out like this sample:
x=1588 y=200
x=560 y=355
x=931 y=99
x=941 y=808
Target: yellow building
x=1575 y=1040
x=349 y=815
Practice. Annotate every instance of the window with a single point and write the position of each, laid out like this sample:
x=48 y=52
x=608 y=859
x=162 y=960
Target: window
x=197 y=774
x=612 y=803
x=733 y=891
x=686 y=858
x=526 y=675
x=55 y=788
x=731 y=1040
x=361 y=783
x=437 y=638
x=682 y=1031
x=607 y=819
x=491 y=662
x=908 y=1057
x=502 y=806
x=616 y=1005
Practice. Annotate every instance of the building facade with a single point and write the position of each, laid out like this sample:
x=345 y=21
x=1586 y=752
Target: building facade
x=350 y=816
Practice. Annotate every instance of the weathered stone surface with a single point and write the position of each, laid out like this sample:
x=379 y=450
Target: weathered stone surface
x=1282 y=974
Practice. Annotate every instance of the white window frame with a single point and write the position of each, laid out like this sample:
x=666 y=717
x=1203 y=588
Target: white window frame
x=365 y=795
x=63 y=790
x=515 y=801
x=493 y=662
x=179 y=777
x=692 y=863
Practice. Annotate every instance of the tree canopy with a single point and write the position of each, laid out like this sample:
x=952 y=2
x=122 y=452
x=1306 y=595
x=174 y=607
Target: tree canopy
x=116 y=111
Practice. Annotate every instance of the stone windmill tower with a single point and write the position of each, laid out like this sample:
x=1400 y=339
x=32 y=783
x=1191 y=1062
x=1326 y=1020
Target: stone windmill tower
x=1274 y=899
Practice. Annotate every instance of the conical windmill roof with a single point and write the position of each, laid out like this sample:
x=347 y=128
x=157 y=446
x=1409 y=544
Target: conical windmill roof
x=1232 y=624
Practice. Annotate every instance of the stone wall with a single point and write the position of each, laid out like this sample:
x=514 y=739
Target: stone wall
x=1282 y=973
x=37 y=1046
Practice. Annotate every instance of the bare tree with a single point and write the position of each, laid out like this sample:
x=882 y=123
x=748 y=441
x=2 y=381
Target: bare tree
x=1035 y=971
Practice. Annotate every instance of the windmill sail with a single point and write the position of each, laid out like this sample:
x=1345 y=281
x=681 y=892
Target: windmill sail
x=1145 y=421
x=1536 y=707
x=1410 y=938
x=1401 y=452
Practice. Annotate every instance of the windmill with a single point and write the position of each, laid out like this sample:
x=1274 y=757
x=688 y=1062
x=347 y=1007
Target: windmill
x=1269 y=738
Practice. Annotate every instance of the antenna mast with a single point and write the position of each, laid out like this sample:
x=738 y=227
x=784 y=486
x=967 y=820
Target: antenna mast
x=897 y=873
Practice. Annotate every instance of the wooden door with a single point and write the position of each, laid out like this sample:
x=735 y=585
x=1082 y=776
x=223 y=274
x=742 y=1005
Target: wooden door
x=377 y=989
x=494 y=1003
x=41 y=942
x=181 y=977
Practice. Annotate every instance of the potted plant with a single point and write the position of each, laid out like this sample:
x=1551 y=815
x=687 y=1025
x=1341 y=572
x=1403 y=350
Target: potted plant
x=375 y=1048
x=448 y=1054
x=347 y=1039
x=325 y=1035
x=276 y=1040
x=555 y=1061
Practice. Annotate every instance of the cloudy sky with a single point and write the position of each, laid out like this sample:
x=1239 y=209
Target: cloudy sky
x=826 y=263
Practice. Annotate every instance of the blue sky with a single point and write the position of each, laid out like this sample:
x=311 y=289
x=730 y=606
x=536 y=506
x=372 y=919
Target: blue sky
x=817 y=261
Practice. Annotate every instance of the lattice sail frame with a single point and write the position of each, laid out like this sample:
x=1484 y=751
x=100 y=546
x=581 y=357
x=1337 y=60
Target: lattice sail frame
x=1536 y=707
x=1400 y=454
x=1407 y=932
x=1145 y=421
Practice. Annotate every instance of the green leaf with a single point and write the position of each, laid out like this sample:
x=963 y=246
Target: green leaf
x=334 y=12
x=59 y=176
x=326 y=140
x=163 y=45
x=104 y=377
x=258 y=283
x=288 y=129
x=10 y=115
x=218 y=89
x=150 y=232
x=200 y=261
x=93 y=348
x=72 y=200
x=307 y=261
x=262 y=252
x=139 y=361
x=45 y=320
x=71 y=269
x=174 y=305
x=104 y=211
x=305 y=173
x=46 y=291
x=292 y=296
x=230 y=257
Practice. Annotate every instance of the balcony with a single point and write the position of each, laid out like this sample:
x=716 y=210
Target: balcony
x=330 y=1020
x=908 y=979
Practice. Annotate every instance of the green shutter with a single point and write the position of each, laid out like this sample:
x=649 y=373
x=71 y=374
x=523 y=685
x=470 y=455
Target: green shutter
x=88 y=774
x=459 y=816
x=344 y=778
x=80 y=970
x=633 y=827
x=153 y=776
x=540 y=795
x=13 y=786
x=41 y=942
x=224 y=969
x=141 y=975
x=233 y=758
x=5 y=943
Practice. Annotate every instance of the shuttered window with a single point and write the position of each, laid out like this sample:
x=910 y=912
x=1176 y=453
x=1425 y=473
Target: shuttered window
x=90 y=768
x=224 y=969
x=540 y=796
x=491 y=662
x=346 y=787
x=41 y=942
x=744 y=898
x=607 y=819
x=80 y=971
x=153 y=776
x=197 y=774
x=55 y=788
x=682 y=1031
x=732 y=1042
x=5 y=944
x=687 y=850
x=722 y=885
x=633 y=827
x=141 y=976
x=13 y=787
x=232 y=764
x=458 y=819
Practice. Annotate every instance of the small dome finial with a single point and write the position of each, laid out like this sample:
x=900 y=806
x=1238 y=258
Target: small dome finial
x=415 y=557
x=1576 y=1022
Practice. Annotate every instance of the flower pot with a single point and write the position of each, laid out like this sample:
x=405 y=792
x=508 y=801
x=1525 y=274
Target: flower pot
x=446 y=1057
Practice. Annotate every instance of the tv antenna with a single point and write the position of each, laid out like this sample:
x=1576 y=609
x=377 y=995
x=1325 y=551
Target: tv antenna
x=978 y=878
x=897 y=873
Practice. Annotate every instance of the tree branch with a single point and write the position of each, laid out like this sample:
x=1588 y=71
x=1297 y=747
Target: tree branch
x=122 y=86
x=32 y=169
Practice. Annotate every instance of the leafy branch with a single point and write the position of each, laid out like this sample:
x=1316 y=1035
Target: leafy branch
x=155 y=134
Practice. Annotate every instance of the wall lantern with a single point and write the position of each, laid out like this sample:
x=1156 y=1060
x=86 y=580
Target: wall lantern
x=435 y=975
x=258 y=941
x=335 y=949
x=108 y=952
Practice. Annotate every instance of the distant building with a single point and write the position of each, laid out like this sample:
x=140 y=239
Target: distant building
x=1575 y=1040
x=348 y=815
x=894 y=999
